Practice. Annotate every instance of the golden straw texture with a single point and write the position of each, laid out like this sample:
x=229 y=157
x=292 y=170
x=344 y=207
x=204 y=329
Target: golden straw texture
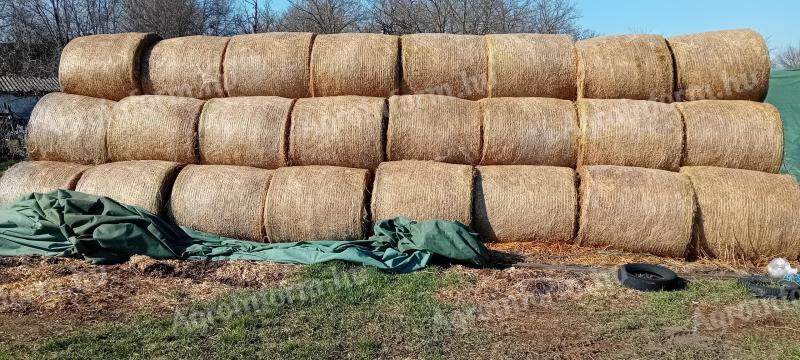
x=745 y=214
x=355 y=64
x=434 y=127
x=732 y=133
x=154 y=127
x=635 y=67
x=38 y=176
x=187 y=66
x=423 y=190
x=69 y=128
x=338 y=131
x=245 y=131
x=636 y=209
x=525 y=203
x=535 y=65
x=529 y=131
x=445 y=64
x=104 y=66
x=630 y=133
x=721 y=65
x=317 y=203
x=221 y=199
x=142 y=183
x=268 y=64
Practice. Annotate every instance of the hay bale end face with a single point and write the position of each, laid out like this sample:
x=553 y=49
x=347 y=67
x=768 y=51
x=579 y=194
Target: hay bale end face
x=317 y=203
x=733 y=134
x=221 y=199
x=745 y=214
x=38 y=176
x=635 y=67
x=532 y=65
x=355 y=64
x=636 y=209
x=423 y=190
x=69 y=128
x=188 y=66
x=721 y=65
x=268 y=64
x=245 y=131
x=338 y=131
x=525 y=203
x=154 y=127
x=630 y=133
x=105 y=66
x=434 y=127
x=444 y=64
x=529 y=131
x=143 y=183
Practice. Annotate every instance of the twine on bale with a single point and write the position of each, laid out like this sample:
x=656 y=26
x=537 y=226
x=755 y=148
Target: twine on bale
x=635 y=209
x=38 y=176
x=529 y=131
x=745 y=214
x=142 y=183
x=338 y=131
x=69 y=128
x=721 y=65
x=154 y=127
x=630 y=133
x=733 y=134
x=355 y=64
x=635 y=67
x=532 y=65
x=444 y=64
x=525 y=203
x=221 y=199
x=188 y=66
x=269 y=64
x=245 y=131
x=423 y=190
x=317 y=203
x=105 y=66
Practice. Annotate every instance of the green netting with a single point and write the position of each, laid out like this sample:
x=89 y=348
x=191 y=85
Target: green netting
x=784 y=93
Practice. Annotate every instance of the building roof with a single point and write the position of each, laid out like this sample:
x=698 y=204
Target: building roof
x=15 y=85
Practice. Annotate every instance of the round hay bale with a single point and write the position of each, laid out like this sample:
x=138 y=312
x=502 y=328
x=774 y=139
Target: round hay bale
x=434 y=127
x=733 y=134
x=635 y=67
x=269 y=64
x=525 y=203
x=155 y=127
x=444 y=64
x=635 y=209
x=188 y=66
x=423 y=190
x=529 y=131
x=721 y=65
x=69 y=128
x=105 y=66
x=221 y=199
x=245 y=131
x=317 y=203
x=355 y=64
x=338 y=131
x=630 y=133
x=38 y=176
x=745 y=214
x=142 y=183
x=533 y=65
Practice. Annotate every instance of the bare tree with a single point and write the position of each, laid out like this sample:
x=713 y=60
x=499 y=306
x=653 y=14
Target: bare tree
x=256 y=16
x=325 y=16
x=788 y=58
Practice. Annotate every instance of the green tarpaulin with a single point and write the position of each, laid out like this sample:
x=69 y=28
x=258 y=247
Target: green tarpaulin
x=784 y=93
x=103 y=231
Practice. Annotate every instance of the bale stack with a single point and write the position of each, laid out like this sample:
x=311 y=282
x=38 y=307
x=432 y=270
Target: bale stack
x=525 y=203
x=317 y=203
x=531 y=65
x=38 y=176
x=635 y=209
x=444 y=64
x=143 y=183
x=69 y=128
x=188 y=66
x=338 y=131
x=355 y=64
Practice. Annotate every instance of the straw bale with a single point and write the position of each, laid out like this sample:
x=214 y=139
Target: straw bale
x=532 y=65
x=268 y=64
x=355 y=64
x=444 y=64
x=188 y=66
x=38 y=176
x=142 y=183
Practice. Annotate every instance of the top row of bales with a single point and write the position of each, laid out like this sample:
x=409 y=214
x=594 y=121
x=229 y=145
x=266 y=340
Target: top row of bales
x=722 y=65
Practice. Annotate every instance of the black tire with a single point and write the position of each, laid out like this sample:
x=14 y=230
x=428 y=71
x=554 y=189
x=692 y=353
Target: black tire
x=763 y=288
x=647 y=277
x=793 y=294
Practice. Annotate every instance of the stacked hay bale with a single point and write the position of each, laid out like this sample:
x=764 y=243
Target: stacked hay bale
x=532 y=65
x=38 y=176
x=143 y=183
x=187 y=66
x=444 y=64
x=355 y=64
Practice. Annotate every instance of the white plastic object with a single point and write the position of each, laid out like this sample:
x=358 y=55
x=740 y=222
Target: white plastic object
x=779 y=267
